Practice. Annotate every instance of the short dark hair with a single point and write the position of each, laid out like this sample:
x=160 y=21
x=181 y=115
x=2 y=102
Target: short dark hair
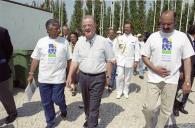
x=74 y=33
x=191 y=29
x=129 y=22
x=51 y=21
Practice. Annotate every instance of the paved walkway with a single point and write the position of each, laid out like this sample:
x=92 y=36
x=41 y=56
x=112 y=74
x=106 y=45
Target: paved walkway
x=114 y=113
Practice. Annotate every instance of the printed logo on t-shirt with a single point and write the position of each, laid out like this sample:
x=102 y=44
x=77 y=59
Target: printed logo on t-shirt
x=52 y=50
x=166 y=49
x=52 y=54
x=166 y=46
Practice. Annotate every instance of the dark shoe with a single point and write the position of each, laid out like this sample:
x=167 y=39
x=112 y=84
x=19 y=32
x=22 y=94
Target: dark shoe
x=63 y=115
x=85 y=125
x=141 y=77
x=181 y=109
x=81 y=106
x=10 y=119
x=176 y=112
x=135 y=73
x=109 y=89
x=50 y=125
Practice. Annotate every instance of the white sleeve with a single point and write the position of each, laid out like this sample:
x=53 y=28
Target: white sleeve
x=137 y=51
x=187 y=50
x=36 y=52
x=145 y=51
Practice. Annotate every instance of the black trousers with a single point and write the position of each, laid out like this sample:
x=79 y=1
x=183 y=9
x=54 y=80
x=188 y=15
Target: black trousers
x=92 y=87
x=7 y=99
x=185 y=97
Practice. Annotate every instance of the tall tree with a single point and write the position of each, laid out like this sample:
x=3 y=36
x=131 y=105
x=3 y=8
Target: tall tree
x=117 y=14
x=141 y=16
x=63 y=13
x=134 y=14
x=158 y=11
x=178 y=12
x=149 y=22
x=192 y=12
x=165 y=5
x=89 y=7
x=184 y=18
x=126 y=10
x=76 y=16
x=97 y=14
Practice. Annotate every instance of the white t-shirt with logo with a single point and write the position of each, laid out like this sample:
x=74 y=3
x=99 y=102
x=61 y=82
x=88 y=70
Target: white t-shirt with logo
x=52 y=55
x=167 y=50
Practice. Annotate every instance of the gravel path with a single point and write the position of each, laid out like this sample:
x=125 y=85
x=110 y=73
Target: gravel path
x=114 y=113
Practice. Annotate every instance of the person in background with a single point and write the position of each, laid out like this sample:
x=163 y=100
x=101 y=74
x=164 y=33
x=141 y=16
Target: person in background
x=162 y=53
x=52 y=55
x=6 y=97
x=65 y=31
x=179 y=105
x=126 y=51
x=93 y=57
x=141 y=63
x=111 y=36
x=73 y=38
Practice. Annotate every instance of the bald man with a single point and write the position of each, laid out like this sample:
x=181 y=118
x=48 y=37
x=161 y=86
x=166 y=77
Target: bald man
x=162 y=53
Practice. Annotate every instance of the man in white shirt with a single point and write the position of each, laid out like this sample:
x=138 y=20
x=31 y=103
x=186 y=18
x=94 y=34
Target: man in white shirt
x=92 y=54
x=162 y=53
x=111 y=37
x=52 y=54
x=126 y=50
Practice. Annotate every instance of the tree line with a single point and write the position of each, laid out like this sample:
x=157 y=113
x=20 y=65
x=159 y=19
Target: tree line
x=143 y=14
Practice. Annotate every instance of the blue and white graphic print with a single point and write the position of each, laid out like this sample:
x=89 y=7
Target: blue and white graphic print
x=52 y=50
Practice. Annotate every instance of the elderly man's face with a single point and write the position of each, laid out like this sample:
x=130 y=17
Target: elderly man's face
x=167 y=22
x=65 y=30
x=111 y=34
x=88 y=28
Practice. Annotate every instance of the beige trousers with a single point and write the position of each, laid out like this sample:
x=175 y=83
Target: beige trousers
x=159 y=96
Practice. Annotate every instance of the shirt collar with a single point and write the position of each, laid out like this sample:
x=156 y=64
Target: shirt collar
x=92 y=40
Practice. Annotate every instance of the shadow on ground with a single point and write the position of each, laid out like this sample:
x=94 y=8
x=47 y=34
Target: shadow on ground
x=134 y=88
x=108 y=111
x=73 y=112
x=29 y=109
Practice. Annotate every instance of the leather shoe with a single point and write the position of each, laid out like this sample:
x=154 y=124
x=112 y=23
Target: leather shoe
x=10 y=119
x=63 y=115
x=181 y=109
x=176 y=112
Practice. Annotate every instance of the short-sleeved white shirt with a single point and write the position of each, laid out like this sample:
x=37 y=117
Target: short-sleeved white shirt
x=92 y=57
x=52 y=55
x=167 y=50
x=126 y=50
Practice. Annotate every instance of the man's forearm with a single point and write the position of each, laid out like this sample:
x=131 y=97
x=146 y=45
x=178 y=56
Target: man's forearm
x=187 y=69
x=109 y=68
x=33 y=66
x=148 y=63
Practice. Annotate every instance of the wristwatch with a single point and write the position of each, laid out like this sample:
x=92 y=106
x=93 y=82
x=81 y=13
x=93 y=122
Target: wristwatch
x=107 y=76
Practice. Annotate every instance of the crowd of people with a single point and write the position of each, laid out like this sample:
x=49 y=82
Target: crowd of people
x=91 y=62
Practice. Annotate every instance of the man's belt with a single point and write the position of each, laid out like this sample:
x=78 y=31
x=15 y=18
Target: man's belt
x=90 y=74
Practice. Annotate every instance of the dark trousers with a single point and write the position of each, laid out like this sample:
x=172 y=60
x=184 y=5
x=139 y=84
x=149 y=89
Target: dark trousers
x=50 y=94
x=113 y=76
x=7 y=99
x=92 y=88
x=185 y=97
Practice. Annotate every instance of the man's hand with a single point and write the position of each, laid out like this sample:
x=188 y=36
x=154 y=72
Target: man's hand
x=163 y=72
x=30 y=78
x=69 y=81
x=186 y=87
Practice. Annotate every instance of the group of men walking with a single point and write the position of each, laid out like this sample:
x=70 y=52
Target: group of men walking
x=100 y=60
